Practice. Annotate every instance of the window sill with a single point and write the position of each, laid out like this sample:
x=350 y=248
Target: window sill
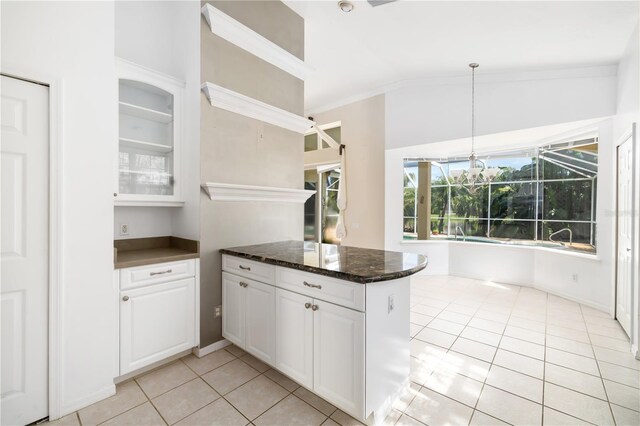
x=586 y=256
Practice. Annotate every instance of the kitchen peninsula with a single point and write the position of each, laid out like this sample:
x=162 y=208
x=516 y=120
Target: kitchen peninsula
x=333 y=318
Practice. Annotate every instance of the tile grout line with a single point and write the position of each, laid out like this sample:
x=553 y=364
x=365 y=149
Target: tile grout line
x=544 y=361
x=125 y=411
x=599 y=371
x=484 y=382
x=198 y=376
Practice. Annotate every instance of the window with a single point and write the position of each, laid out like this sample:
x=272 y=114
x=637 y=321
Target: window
x=544 y=196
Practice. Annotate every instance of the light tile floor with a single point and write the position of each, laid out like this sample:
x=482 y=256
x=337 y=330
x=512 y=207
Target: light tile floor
x=482 y=353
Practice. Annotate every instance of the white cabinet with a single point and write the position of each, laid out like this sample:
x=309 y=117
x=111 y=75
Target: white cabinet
x=159 y=312
x=294 y=336
x=260 y=321
x=321 y=346
x=347 y=342
x=248 y=316
x=338 y=352
x=150 y=108
x=233 y=309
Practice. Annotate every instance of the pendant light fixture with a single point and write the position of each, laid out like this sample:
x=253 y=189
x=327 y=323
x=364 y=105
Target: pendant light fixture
x=477 y=173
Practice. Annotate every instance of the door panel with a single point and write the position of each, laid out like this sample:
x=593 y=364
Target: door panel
x=233 y=307
x=156 y=322
x=339 y=361
x=260 y=321
x=294 y=336
x=24 y=164
x=624 y=280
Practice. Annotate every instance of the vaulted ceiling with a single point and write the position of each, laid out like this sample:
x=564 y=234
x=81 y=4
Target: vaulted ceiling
x=371 y=47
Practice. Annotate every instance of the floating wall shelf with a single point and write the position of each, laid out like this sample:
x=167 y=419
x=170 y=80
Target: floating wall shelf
x=240 y=104
x=244 y=37
x=232 y=192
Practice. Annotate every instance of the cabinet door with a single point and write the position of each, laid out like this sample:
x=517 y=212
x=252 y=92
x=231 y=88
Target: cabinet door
x=149 y=135
x=339 y=362
x=156 y=322
x=294 y=336
x=233 y=309
x=260 y=320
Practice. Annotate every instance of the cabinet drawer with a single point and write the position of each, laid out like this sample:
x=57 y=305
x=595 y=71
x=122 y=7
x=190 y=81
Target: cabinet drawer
x=248 y=268
x=141 y=276
x=340 y=292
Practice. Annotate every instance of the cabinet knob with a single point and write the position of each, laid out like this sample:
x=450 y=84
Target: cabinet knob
x=307 y=305
x=125 y=298
x=314 y=307
x=115 y=194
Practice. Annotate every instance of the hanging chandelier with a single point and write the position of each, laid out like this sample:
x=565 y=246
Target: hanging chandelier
x=477 y=173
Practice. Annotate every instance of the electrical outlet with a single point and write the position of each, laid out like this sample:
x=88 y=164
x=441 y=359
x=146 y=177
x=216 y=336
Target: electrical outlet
x=218 y=311
x=124 y=229
x=574 y=277
x=391 y=304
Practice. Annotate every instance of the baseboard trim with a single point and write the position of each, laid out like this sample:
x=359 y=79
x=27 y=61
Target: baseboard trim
x=150 y=367
x=76 y=405
x=601 y=307
x=200 y=352
x=580 y=300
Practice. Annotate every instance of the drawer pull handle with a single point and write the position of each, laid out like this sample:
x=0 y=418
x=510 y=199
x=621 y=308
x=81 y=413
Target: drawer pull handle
x=314 y=307
x=307 y=305
x=318 y=286
x=245 y=285
x=168 y=271
x=125 y=298
x=245 y=268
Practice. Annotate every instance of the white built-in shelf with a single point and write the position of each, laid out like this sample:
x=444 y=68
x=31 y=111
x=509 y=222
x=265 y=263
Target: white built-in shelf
x=143 y=172
x=240 y=104
x=148 y=203
x=146 y=113
x=233 y=192
x=245 y=38
x=148 y=146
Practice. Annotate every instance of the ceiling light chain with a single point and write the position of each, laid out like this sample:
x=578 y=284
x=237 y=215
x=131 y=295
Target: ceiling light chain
x=474 y=175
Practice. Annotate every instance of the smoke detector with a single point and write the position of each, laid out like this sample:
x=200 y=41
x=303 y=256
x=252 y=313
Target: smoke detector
x=345 y=6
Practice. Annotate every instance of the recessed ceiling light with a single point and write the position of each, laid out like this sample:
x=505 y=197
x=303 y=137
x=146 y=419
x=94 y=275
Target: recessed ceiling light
x=345 y=6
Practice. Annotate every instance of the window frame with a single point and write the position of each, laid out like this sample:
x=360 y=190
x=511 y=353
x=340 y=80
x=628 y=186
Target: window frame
x=537 y=184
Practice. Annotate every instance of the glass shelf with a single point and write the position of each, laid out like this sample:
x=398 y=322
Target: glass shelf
x=145 y=113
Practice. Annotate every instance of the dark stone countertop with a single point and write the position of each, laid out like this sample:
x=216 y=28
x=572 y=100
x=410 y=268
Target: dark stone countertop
x=355 y=264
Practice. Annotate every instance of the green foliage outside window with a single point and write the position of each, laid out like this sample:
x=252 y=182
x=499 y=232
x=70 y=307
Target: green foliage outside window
x=529 y=201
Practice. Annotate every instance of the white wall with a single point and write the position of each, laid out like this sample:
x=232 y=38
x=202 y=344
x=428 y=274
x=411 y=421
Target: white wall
x=439 y=109
x=431 y=119
x=165 y=36
x=628 y=88
x=71 y=44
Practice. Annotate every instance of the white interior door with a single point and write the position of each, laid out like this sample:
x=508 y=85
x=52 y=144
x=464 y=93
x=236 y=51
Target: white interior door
x=625 y=235
x=25 y=250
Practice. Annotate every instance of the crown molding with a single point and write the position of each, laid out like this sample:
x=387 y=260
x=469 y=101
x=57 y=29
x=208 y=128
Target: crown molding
x=244 y=105
x=244 y=37
x=233 y=192
x=596 y=71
